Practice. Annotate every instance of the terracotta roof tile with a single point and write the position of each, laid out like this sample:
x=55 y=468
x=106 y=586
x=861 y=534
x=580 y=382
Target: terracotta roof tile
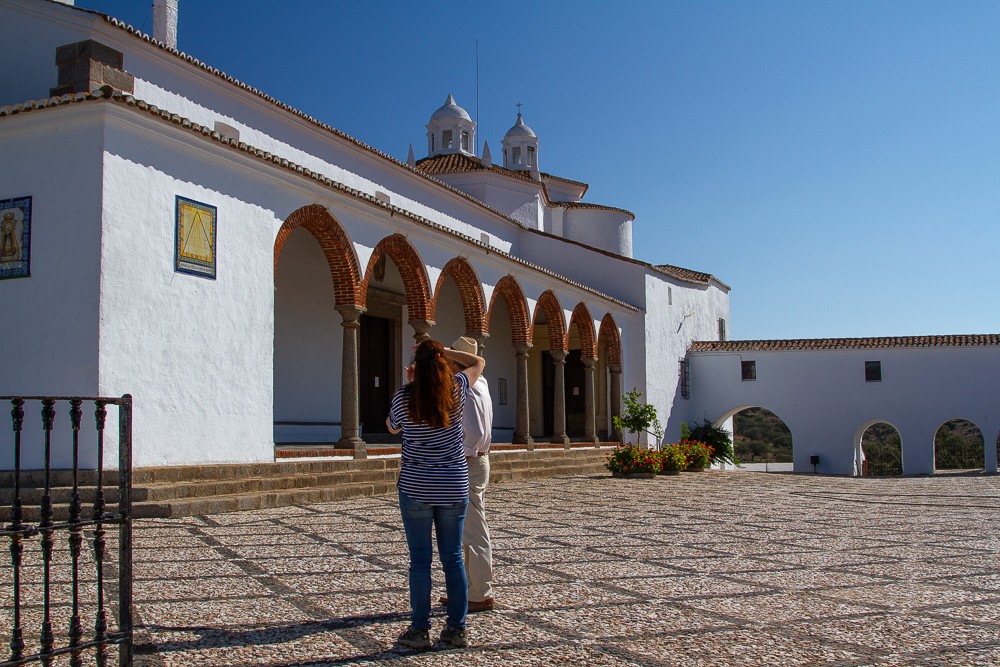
x=957 y=340
x=599 y=207
x=685 y=274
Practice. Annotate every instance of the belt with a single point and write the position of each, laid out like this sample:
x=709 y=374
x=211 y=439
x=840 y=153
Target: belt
x=469 y=456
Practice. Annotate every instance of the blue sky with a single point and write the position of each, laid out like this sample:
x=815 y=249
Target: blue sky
x=836 y=163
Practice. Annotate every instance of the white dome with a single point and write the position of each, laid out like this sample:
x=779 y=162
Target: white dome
x=519 y=130
x=450 y=110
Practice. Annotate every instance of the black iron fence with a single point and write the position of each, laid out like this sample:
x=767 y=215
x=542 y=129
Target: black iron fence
x=54 y=582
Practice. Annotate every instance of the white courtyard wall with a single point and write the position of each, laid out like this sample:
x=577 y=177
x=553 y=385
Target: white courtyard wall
x=677 y=314
x=50 y=319
x=823 y=398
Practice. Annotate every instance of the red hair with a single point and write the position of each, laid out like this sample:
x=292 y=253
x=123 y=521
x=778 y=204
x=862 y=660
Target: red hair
x=432 y=392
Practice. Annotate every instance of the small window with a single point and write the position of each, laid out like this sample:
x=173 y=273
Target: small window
x=670 y=296
x=873 y=371
x=517 y=155
x=685 y=379
x=531 y=155
x=465 y=141
x=748 y=370
x=432 y=143
x=722 y=331
x=446 y=139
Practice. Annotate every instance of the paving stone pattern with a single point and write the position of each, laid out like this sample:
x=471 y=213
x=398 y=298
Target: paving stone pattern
x=712 y=568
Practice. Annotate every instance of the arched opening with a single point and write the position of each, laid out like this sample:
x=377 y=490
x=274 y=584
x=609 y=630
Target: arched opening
x=581 y=352
x=395 y=295
x=959 y=445
x=508 y=324
x=760 y=436
x=459 y=305
x=548 y=346
x=609 y=369
x=308 y=341
x=315 y=272
x=879 y=452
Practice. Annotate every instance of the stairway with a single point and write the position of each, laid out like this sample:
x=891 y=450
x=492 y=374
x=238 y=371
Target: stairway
x=177 y=491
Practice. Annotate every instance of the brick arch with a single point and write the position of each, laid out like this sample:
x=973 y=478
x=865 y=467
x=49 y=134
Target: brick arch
x=345 y=270
x=517 y=309
x=411 y=269
x=608 y=334
x=585 y=326
x=469 y=289
x=548 y=303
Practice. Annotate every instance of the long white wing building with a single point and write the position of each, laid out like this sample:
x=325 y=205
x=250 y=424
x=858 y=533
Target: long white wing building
x=254 y=276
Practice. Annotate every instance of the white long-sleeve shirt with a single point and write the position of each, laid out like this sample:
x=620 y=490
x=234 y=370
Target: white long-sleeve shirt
x=477 y=419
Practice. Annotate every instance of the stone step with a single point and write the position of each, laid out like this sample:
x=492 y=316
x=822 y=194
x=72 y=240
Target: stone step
x=192 y=490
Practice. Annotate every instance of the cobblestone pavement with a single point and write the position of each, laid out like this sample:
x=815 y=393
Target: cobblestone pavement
x=710 y=568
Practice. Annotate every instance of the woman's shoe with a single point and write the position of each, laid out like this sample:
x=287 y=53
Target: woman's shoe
x=415 y=638
x=454 y=637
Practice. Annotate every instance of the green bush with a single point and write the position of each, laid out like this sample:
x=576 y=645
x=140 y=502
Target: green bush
x=718 y=439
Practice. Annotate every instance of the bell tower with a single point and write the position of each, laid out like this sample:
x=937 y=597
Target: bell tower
x=520 y=147
x=450 y=130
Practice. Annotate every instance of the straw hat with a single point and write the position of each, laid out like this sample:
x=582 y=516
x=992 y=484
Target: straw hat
x=465 y=344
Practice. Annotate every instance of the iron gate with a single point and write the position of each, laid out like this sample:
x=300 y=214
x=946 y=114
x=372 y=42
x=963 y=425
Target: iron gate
x=61 y=529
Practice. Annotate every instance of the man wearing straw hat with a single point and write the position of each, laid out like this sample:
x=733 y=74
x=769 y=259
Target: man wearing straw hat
x=477 y=426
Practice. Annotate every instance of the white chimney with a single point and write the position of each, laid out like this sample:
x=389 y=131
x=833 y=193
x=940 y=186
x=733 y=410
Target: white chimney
x=165 y=22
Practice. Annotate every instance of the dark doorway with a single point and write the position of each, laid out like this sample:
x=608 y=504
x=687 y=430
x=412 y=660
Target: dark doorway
x=575 y=394
x=576 y=399
x=376 y=379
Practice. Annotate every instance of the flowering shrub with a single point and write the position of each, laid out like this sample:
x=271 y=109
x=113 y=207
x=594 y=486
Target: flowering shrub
x=696 y=454
x=629 y=459
x=716 y=437
x=672 y=459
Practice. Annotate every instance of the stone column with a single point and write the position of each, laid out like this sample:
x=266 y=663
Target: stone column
x=589 y=400
x=616 y=399
x=349 y=392
x=559 y=400
x=480 y=339
x=522 y=423
x=421 y=329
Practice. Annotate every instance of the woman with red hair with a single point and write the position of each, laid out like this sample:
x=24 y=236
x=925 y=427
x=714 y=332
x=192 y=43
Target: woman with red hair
x=434 y=483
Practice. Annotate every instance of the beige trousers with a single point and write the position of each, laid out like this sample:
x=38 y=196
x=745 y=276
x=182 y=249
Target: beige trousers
x=476 y=539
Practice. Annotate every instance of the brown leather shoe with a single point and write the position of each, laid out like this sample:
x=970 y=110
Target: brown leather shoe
x=489 y=604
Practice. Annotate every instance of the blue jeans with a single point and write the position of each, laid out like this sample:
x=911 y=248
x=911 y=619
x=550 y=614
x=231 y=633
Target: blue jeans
x=448 y=522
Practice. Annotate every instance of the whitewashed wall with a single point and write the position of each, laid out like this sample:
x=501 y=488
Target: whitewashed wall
x=676 y=315
x=823 y=398
x=50 y=320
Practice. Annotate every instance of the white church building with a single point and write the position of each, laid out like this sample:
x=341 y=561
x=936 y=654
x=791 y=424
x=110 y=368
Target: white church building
x=252 y=276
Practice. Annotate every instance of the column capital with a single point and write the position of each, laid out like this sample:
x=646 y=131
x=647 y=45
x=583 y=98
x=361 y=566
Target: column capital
x=588 y=362
x=615 y=368
x=522 y=348
x=350 y=313
x=480 y=339
x=559 y=356
x=421 y=329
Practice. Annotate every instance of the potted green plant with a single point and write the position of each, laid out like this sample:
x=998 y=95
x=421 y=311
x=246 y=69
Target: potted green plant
x=672 y=460
x=716 y=437
x=633 y=461
x=697 y=455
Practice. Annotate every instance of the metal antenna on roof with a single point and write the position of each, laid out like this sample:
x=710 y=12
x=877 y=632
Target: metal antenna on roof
x=476 y=147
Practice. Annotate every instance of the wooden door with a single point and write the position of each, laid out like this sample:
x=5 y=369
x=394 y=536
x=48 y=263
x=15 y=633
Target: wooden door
x=376 y=380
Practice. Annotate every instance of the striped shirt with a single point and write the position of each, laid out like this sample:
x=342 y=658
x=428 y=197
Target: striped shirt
x=433 y=468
